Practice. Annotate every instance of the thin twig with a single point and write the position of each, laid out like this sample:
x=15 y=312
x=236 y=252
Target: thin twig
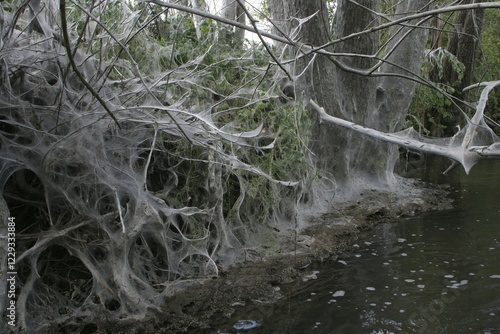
x=148 y=162
x=320 y=49
x=257 y=31
x=136 y=68
x=69 y=53
x=307 y=49
x=120 y=211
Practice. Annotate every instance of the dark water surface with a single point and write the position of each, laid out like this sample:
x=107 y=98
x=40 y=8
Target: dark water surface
x=435 y=273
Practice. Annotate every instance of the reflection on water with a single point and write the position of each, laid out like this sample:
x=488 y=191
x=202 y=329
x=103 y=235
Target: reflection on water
x=436 y=273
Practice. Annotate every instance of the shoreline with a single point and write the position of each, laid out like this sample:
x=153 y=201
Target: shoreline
x=263 y=281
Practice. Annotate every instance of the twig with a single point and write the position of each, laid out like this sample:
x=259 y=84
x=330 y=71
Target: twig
x=136 y=68
x=64 y=28
x=320 y=49
x=257 y=31
x=146 y=167
x=120 y=211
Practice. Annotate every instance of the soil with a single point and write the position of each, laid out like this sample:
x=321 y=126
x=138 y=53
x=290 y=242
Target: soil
x=262 y=281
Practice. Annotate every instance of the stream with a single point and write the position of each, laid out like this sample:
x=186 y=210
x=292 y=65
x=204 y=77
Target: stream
x=438 y=272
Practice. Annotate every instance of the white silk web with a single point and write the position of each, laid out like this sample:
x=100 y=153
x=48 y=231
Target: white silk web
x=113 y=216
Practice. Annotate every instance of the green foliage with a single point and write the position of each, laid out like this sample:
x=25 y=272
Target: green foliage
x=490 y=43
x=222 y=78
x=429 y=99
x=263 y=10
x=284 y=127
x=489 y=64
x=430 y=106
x=285 y=124
x=436 y=61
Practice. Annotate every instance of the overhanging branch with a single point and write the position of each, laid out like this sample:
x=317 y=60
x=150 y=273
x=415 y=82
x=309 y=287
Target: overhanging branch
x=464 y=152
x=383 y=136
x=306 y=49
x=320 y=49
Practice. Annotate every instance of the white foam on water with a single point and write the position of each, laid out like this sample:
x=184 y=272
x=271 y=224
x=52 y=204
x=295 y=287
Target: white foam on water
x=456 y=285
x=245 y=324
x=340 y=293
x=311 y=276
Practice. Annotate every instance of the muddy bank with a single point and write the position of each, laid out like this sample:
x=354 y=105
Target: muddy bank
x=265 y=281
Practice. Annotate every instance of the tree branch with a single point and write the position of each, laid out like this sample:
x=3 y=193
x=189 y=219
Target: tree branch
x=387 y=137
x=257 y=31
x=308 y=49
x=69 y=53
x=462 y=152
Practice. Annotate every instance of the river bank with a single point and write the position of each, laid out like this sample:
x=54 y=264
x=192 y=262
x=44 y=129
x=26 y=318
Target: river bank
x=265 y=281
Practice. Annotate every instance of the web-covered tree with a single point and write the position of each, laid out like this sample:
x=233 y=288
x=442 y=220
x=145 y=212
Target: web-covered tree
x=346 y=67
x=450 y=63
x=488 y=67
x=130 y=157
x=140 y=151
x=349 y=82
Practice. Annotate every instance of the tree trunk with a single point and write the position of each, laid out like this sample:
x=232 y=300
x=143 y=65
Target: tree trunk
x=376 y=102
x=198 y=20
x=463 y=44
x=234 y=11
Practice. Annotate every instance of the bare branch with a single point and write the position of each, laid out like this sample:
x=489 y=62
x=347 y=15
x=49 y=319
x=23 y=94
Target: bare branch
x=308 y=49
x=387 y=137
x=69 y=53
x=425 y=14
x=461 y=148
x=269 y=51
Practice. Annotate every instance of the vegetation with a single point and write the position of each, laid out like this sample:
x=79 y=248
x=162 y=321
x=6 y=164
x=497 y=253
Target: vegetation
x=202 y=147
x=143 y=147
x=489 y=67
x=432 y=108
x=435 y=112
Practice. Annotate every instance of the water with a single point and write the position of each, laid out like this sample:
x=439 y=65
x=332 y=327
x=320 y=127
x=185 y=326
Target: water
x=436 y=273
